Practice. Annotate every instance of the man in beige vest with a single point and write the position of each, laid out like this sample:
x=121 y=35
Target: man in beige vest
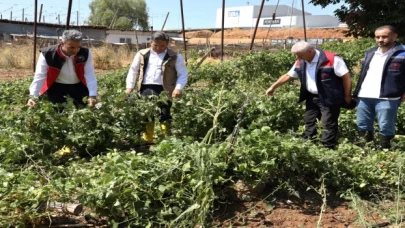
x=159 y=69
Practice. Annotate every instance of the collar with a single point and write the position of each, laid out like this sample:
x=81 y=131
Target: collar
x=152 y=51
x=60 y=49
x=316 y=57
x=378 y=51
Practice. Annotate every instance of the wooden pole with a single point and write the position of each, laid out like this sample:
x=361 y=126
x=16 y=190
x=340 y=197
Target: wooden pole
x=68 y=15
x=184 y=32
x=67 y=208
x=257 y=24
x=40 y=13
x=223 y=30
x=164 y=23
x=303 y=21
x=35 y=36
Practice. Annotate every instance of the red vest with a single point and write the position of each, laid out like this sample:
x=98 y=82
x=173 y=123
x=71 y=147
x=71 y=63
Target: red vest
x=55 y=60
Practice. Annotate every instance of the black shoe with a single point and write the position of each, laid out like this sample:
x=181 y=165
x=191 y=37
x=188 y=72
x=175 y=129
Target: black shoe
x=385 y=141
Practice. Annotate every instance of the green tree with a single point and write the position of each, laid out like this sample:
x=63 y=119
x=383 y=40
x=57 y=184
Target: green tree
x=364 y=16
x=119 y=14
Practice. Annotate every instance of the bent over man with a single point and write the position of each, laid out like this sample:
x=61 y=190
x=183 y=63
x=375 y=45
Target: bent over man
x=64 y=70
x=325 y=88
x=159 y=69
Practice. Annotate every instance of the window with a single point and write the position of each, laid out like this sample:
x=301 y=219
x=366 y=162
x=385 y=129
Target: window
x=125 y=40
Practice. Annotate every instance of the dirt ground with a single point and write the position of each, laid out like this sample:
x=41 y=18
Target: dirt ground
x=295 y=33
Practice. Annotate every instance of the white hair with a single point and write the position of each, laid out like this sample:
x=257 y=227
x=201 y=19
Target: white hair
x=301 y=46
x=73 y=35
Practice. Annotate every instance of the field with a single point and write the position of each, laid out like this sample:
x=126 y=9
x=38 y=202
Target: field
x=268 y=177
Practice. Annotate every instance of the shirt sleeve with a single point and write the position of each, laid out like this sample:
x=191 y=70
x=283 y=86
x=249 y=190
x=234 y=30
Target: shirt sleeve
x=133 y=72
x=339 y=66
x=41 y=71
x=90 y=76
x=292 y=73
x=182 y=73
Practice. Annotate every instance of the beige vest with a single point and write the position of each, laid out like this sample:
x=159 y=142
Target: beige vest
x=169 y=77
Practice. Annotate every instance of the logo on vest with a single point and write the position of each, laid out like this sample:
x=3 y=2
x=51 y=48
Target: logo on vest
x=395 y=66
x=324 y=76
x=80 y=58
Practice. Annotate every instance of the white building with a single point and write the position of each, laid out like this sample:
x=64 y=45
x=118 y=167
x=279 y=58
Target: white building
x=130 y=37
x=245 y=17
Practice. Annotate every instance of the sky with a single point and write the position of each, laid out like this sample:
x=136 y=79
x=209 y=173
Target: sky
x=197 y=13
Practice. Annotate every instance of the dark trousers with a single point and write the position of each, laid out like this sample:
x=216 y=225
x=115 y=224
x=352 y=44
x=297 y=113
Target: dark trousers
x=156 y=90
x=329 y=116
x=58 y=93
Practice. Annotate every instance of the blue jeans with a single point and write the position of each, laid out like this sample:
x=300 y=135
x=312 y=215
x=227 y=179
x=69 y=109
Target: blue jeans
x=385 y=110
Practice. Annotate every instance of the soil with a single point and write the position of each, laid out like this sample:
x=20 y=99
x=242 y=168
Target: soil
x=285 y=211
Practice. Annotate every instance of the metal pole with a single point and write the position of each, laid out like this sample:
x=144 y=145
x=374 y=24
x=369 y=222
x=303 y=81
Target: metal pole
x=303 y=21
x=223 y=30
x=184 y=32
x=11 y=15
x=22 y=19
x=77 y=18
x=35 y=34
x=40 y=13
x=164 y=23
x=68 y=15
x=58 y=19
x=257 y=24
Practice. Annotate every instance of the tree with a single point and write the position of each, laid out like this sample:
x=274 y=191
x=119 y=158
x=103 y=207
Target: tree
x=119 y=14
x=364 y=16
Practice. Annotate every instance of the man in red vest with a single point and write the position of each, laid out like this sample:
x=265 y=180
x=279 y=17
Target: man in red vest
x=325 y=87
x=65 y=70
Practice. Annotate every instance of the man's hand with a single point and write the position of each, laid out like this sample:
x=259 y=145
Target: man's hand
x=403 y=98
x=270 y=91
x=348 y=99
x=92 y=101
x=129 y=91
x=32 y=103
x=176 y=93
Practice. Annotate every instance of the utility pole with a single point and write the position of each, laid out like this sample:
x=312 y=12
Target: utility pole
x=164 y=23
x=77 y=18
x=11 y=15
x=58 y=19
x=40 y=13
x=68 y=14
x=303 y=21
x=22 y=19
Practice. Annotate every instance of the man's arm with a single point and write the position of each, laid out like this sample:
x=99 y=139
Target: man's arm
x=90 y=76
x=347 y=86
x=341 y=70
x=133 y=74
x=182 y=76
x=281 y=81
x=41 y=71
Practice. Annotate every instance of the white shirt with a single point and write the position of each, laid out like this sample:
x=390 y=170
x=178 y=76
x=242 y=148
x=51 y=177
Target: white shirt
x=67 y=74
x=371 y=86
x=339 y=67
x=154 y=73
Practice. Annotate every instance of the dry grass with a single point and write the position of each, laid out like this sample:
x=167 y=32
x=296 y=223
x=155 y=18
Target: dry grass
x=16 y=56
x=107 y=57
x=104 y=57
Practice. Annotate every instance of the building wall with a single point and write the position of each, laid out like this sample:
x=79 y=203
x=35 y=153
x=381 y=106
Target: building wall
x=245 y=17
x=115 y=38
x=20 y=28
